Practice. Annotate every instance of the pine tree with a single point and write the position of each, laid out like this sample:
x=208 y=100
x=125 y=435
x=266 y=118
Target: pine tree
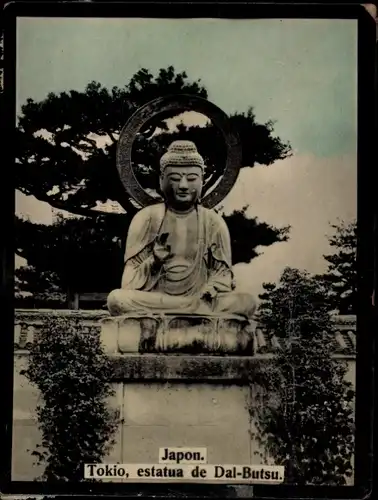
x=342 y=267
x=66 y=156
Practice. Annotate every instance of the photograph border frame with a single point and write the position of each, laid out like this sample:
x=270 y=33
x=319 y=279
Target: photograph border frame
x=366 y=317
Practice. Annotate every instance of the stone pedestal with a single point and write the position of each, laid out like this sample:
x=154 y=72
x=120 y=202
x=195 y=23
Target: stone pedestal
x=183 y=381
x=184 y=413
x=175 y=333
x=185 y=401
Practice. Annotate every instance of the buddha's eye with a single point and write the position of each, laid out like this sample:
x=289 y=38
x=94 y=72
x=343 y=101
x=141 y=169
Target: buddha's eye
x=192 y=178
x=175 y=178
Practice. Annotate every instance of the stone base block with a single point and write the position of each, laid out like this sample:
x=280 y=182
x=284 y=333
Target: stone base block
x=177 y=334
x=195 y=415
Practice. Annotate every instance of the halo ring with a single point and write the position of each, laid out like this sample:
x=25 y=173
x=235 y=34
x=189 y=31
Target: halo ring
x=179 y=103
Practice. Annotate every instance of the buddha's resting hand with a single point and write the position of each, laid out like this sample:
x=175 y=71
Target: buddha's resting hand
x=162 y=251
x=208 y=294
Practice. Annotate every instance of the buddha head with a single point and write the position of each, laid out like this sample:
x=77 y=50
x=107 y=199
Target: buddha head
x=181 y=175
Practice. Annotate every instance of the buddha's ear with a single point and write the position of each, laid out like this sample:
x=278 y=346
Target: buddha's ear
x=161 y=181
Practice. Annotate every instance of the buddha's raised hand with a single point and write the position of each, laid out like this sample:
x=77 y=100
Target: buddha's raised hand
x=162 y=251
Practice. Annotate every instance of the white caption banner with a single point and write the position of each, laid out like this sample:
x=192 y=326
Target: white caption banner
x=256 y=474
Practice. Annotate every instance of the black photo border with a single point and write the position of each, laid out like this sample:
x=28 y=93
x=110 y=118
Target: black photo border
x=367 y=159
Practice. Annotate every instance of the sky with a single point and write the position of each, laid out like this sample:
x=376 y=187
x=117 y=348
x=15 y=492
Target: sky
x=302 y=74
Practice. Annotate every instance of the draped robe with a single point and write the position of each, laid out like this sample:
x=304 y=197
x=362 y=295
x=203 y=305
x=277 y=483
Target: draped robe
x=201 y=258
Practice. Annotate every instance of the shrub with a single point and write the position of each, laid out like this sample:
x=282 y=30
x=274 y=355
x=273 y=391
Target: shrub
x=73 y=374
x=305 y=420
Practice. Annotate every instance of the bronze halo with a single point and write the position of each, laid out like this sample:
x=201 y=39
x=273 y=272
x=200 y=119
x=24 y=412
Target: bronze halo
x=179 y=103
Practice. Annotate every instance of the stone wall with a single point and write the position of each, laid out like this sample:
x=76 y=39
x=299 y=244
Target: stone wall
x=198 y=401
x=28 y=322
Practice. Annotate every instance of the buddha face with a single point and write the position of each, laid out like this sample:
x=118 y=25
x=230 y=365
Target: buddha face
x=181 y=186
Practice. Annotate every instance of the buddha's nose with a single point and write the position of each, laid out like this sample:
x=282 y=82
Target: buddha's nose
x=183 y=185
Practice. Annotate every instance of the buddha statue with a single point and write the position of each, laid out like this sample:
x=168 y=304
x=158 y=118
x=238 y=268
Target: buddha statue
x=178 y=253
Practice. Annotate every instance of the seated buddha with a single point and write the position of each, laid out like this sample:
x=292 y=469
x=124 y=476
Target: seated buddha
x=178 y=253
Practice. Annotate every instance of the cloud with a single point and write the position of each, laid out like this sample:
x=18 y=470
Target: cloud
x=305 y=192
